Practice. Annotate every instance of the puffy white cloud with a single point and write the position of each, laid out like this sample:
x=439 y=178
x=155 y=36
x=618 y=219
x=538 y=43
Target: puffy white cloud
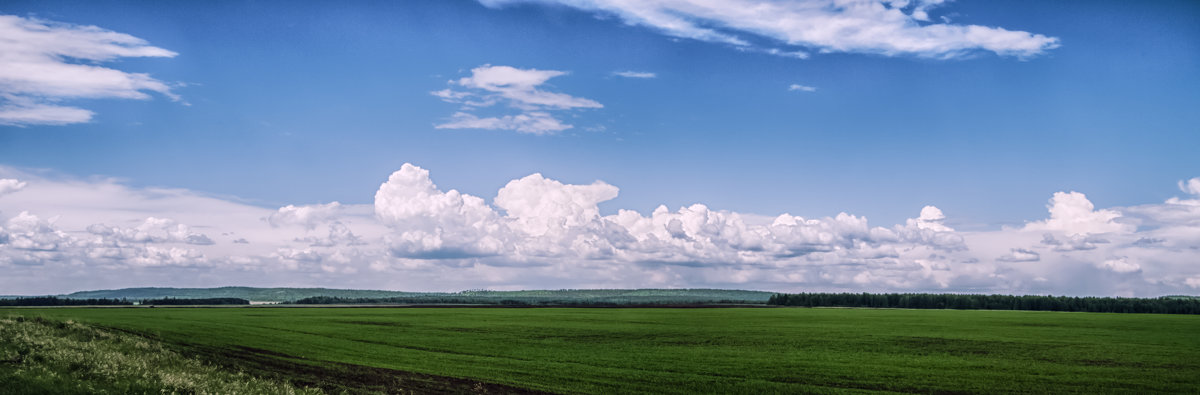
x=1120 y=265
x=43 y=63
x=152 y=256
x=801 y=88
x=635 y=74
x=308 y=216
x=433 y=224
x=28 y=232
x=931 y=218
x=1076 y=242
x=519 y=89
x=152 y=230
x=1020 y=255
x=540 y=206
x=1193 y=282
x=856 y=26
x=1073 y=214
x=339 y=234
x=10 y=185
x=542 y=233
x=1191 y=186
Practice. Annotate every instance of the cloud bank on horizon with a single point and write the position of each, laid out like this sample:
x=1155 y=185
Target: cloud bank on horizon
x=540 y=233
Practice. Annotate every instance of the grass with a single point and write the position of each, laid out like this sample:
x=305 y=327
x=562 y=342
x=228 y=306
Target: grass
x=742 y=350
x=39 y=356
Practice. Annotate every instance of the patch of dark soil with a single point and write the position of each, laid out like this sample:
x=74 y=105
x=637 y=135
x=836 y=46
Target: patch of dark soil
x=960 y=347
x=380 y=323
x=342 y=378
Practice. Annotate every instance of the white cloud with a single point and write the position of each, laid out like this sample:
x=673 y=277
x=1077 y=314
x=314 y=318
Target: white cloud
x=541 y=233
x=856 y=26
x=931 y=218
x=1193 y=282
x=1020 y=255
x=152 y=230
x=432 y=224
x=533 y=122
x=308 y=216
x=10 y=185
x=43 y=63
x=1073 y=214
x=519 y=89
x=1191 y=186
x=802 y=88
x=1120 y=265
x=635 y=74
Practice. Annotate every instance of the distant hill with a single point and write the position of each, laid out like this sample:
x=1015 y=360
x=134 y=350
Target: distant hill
x=565 y=295
x=248 y=293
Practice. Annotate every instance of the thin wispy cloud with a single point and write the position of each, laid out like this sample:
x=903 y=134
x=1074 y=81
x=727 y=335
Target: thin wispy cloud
x=635 y=74
x=884 y=27
x=801 y=88
x=517 y=89
x=44 y=63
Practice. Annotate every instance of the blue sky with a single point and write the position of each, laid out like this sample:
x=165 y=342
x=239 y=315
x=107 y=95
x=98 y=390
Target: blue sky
x=272 y=104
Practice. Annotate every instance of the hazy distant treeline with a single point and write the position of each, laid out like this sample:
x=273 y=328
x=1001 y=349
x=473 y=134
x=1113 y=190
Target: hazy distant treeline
x=194 y=302
x=1163 y=305
x=520 y=301
x=56 y=301
x=53 y=301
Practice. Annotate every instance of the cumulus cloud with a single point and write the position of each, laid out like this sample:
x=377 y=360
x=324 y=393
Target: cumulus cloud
x=801 y=88
x=1073 y=214
x=43 y=63
x=152 y=230
x=635 y=74
x=519 y=89
x=1120 y=265
x=537 y=232
x=1193 y=282
x=1191 y=186
x=308 y=216
x=1020 y=255
x=10 y=185
x=885 y=27
x=431 y=224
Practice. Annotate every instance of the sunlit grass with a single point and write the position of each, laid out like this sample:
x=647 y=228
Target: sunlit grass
x=41 y=356
x=720 y=350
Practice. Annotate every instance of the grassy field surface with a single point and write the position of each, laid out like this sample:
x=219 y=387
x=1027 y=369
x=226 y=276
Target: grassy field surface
x=39 y=356
x=742 y=350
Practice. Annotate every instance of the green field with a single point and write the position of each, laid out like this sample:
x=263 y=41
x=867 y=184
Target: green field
x=738 y=350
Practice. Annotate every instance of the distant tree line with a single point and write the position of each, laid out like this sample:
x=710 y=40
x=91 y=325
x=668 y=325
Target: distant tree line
x=518 y=301
x=192 y=302
x=54 y=301
x=1163 y=305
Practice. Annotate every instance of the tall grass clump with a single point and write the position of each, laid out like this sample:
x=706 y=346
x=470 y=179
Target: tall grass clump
x=42 y=356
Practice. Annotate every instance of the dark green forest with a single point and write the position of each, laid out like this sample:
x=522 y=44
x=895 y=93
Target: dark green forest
x=195 y=302
x=43 y=301
x=1162 y=305
x=55 y=301
x=475 y=296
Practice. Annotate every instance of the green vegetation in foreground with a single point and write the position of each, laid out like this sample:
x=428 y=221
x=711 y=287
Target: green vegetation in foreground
x=39 y=356
x=727 y=350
